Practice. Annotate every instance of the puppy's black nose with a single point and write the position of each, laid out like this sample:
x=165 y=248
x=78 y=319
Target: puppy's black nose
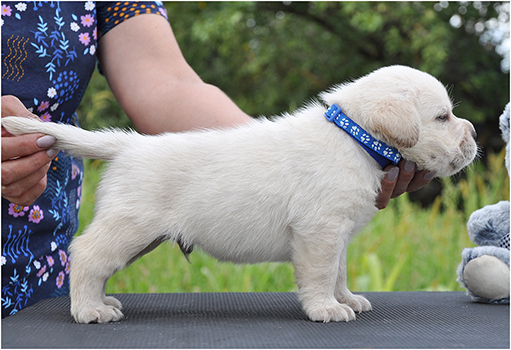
x=474 y=134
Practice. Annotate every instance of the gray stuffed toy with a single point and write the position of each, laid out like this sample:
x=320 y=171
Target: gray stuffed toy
x=484 y=270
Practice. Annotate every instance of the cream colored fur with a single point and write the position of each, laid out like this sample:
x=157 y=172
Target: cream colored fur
x=293 y=189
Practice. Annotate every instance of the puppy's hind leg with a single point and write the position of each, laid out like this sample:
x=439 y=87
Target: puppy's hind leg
x=103 y=249
x=91 y=267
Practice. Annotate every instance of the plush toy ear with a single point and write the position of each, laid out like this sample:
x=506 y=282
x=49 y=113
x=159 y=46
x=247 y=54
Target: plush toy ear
x=489 y=225
x=396 y=118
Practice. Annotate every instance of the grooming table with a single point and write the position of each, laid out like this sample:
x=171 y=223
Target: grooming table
x=264 y=320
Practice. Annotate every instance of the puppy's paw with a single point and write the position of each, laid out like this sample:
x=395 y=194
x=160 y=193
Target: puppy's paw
x=357 y=302
x=332 y=312
x=98 y=314
x=112 y=302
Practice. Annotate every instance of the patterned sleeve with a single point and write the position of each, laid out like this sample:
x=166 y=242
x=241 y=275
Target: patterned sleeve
x=109 y=14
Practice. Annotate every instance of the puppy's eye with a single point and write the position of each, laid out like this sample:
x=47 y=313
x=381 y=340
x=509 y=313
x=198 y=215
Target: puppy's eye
x=443 y=117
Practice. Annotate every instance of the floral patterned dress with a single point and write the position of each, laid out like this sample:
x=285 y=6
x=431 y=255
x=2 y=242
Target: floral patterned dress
x=48 y=57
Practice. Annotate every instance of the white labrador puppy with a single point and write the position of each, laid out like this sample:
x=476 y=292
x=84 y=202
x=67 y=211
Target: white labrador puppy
x=293 y=189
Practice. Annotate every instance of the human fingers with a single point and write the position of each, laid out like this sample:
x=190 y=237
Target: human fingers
x=12 y=106
x=20 y=146
x=29 y=197
x=24 y=179
x=387 y=186
x=420 y=179
x=18 y=169
x=406 y=173
x=25 y=159
x=26 y=191
x=25 y=145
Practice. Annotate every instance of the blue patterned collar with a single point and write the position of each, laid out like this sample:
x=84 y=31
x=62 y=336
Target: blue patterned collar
x=381 y=152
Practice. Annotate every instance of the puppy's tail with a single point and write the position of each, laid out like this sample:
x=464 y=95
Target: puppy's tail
x=104 y=144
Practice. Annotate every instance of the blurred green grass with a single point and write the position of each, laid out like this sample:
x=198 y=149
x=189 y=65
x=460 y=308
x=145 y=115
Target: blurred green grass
x=405 y=248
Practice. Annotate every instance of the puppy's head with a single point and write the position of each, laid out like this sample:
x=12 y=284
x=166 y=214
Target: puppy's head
x=412 y=111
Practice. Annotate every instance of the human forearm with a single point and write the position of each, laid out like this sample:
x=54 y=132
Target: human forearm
x=181 y=106
x=154 y=84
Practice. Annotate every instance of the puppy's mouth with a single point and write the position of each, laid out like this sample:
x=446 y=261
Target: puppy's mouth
x=450 y=163
x=467 y=153
x=455 y=166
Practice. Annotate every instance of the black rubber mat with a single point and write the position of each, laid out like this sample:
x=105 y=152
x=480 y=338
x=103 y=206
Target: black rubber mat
x=265 y=320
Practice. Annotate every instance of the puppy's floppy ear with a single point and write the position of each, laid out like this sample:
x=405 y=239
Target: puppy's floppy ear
x=395 y=117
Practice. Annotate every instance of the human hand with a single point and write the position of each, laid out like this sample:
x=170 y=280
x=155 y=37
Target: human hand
x=25 y=159
x=400 y=179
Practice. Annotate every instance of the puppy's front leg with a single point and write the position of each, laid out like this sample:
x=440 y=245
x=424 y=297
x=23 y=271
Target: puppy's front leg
x=357 y=302
x=316 y=259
